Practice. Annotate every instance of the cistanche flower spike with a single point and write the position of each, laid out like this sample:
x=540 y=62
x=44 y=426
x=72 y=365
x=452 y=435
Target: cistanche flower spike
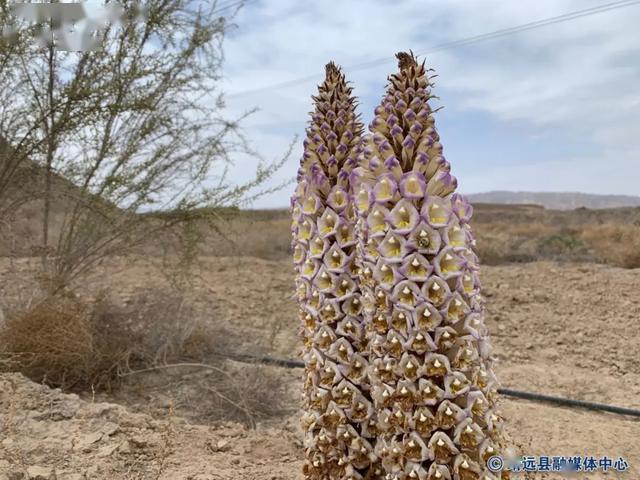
x=428 y=351
x=338 y=412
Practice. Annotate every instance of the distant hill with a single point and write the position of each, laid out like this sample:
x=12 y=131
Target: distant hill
x=557 y=200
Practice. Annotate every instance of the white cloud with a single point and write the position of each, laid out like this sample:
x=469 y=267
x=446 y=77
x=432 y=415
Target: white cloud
x=576 y=79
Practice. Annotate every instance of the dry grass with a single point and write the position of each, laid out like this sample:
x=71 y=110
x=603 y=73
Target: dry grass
x=615 y=244
x=68 y=343
x=220 y=390
x=499 y=243
x=258 y=233
x=251 y=393
x=156 y=326
x=521 y=234
x=504 y=233
x=107 y=346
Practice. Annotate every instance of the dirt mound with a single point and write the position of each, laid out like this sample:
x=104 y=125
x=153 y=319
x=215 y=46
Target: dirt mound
x=45 y=435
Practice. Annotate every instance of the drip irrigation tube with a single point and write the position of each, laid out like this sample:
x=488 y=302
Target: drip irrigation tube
x=263 y=359
x=536 y=397
x=568 y=402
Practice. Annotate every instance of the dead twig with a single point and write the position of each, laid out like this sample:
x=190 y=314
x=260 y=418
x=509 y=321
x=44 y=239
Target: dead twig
x=174 y=365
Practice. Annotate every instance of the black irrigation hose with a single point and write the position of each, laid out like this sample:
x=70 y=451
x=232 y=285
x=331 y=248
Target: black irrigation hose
x=569 y=402
x=536 y=397
x=263 y=359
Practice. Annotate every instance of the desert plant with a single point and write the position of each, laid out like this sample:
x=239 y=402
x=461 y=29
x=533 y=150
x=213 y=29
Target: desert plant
x=137 y=125
x=51 y=342
x=335 y=398
x=430 y=366
x=69 y=342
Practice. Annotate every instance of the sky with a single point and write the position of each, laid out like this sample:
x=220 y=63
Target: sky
x=554 y=108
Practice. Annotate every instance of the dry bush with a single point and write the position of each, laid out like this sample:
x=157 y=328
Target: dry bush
x=166 y=338
x=51 y=342
x=615 y=244
x=68 y=343
x=155 y=326
x=160 y=336
x=146 y=347
x=248 y=394
x=220 y=390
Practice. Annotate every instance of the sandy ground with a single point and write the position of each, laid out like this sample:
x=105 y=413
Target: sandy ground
x=570 y=330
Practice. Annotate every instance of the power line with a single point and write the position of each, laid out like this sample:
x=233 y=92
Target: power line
x=458 y=43
x=231 y=5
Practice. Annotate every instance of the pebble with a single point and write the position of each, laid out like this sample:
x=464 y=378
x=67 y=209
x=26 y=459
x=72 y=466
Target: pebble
x=40 y=473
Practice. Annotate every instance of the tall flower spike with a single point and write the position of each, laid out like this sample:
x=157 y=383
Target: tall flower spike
x=337 y=407
x=431 y=365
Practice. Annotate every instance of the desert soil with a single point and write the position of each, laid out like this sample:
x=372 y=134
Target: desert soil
x=571 y=330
